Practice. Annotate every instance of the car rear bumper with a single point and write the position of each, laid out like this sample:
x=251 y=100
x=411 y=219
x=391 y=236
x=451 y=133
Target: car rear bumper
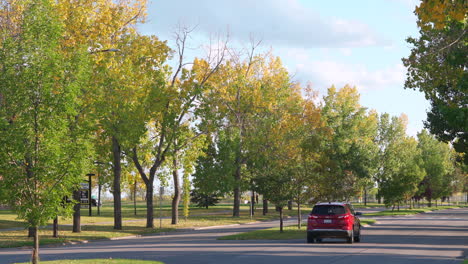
x=331 y=233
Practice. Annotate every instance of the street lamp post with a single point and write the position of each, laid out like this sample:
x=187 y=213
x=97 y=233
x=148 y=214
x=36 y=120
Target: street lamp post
x=89 y=193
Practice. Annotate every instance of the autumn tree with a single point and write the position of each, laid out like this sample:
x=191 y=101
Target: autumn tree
x=44 y=146
x=312 y=135
x=274 y=166
x=243 y=90
x=437 y=66
x=172 y=107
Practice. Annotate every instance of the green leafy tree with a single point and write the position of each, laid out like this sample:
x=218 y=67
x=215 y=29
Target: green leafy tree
x=403 y=171
x=275 y=167
x=185 y=151
x=438 y=164
x=350 y=151
x=44 y=148
x=203 y=200
x=437 y=66
x=128 y=82
x=243 y=90
x=214 y=169
x=390 y=131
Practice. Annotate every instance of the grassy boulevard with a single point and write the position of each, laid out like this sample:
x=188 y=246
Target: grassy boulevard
x=289 y=232
x=100 y=227
x=101 y=261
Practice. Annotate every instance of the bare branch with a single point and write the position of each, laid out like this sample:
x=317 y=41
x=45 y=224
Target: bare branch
x=181 y=36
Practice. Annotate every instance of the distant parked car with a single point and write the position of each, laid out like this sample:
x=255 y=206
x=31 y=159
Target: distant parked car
x=94 y=202
x=333 y=220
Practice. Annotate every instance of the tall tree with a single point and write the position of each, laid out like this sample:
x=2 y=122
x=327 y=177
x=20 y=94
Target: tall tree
x=43 y=144
x=104 y=28
x=390 y=131
x=351 y=149
x=127 y=80
x=438 y=164
x=172 y=107
x=244 y=89
x=403 y=171
x=437 y=66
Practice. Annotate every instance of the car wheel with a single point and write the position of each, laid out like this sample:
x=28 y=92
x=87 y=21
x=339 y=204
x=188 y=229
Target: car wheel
x=351 y=237
x=310 y=239
x=319 y=240
x=358 y=237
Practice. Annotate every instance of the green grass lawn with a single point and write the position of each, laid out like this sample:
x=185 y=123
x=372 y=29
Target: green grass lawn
x=289 y=232
x=101 y=227
x=8 y=219
x=408 y=211
x=101 y=261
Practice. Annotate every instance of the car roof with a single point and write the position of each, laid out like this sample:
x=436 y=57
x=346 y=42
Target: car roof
x=333 y=203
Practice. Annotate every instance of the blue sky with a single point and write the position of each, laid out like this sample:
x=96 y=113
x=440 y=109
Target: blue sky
x=338 y=42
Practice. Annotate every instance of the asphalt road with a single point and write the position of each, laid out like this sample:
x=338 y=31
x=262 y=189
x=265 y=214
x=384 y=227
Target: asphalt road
x=437 y=237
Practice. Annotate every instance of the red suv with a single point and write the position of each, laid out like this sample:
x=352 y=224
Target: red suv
x=333 y=220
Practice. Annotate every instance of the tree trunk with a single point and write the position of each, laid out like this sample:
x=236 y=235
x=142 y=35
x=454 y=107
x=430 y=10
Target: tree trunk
x=365 y=196
x=55 y=227
x=99 y=199
x=177 y=192
x=35 y=253
x=76 y=213
x=265 y=206
x=299 y=216
x=134 y=198
x=149 y=204
x=429 y=201
x=117 y=152
x=237 y=176
x=289 y=205
x=281 y=218
x=252 y=204
x=31 y=231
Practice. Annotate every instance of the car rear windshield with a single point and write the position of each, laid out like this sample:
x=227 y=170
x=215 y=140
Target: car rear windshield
x=328 y=210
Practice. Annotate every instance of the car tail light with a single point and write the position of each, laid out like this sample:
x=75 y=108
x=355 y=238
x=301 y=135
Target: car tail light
x=344 y=219
x=313 y=219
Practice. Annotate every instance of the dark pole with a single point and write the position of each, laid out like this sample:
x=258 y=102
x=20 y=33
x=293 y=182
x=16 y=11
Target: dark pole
x=89 y=193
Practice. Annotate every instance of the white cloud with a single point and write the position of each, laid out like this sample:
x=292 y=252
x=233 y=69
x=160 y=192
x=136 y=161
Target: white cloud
x=323 y=73
x=277 y=22
x=326 y=73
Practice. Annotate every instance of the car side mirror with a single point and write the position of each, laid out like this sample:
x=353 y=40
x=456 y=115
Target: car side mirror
x=358 y=213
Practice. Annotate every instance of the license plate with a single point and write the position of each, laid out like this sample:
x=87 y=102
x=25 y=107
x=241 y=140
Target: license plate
x=327 y=221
